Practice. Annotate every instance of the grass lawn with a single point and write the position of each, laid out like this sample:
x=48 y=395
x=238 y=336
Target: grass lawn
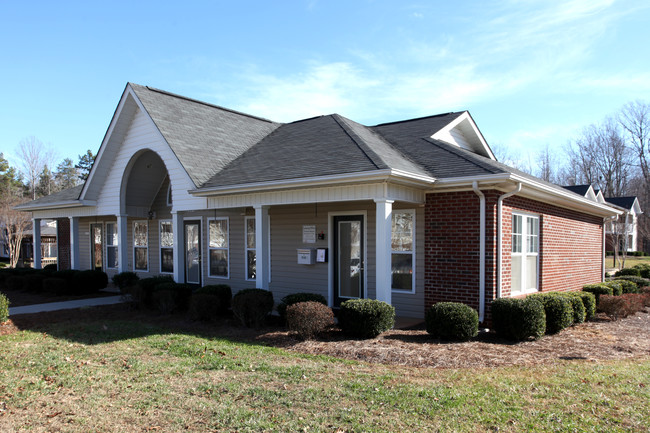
x=129 y=375
x=630 y=261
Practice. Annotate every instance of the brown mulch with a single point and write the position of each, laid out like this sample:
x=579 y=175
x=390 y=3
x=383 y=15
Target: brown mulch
x=601 y=339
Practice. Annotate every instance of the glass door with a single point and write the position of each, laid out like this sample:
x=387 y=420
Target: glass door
x=97 y=246
x=349 y=258
x=192 y=252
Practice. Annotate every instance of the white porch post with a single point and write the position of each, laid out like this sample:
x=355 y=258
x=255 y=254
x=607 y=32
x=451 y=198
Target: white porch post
x=179 y=251
x=262 y=247
x=122 y=246
x=36 y=242
x=74 y=243
x=383 y=249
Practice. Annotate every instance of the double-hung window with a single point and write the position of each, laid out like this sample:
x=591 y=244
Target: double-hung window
x=403 y=250
x=141 y=245
x=166 y=247
x=250 y=248
x=525 y=253
x=111 y=246
x=218 y=248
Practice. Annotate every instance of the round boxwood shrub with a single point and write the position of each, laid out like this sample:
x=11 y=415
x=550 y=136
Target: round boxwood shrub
x=617 y=288
x=33 y=282
x=452 y=321
x=628 y=286
x=14 y=282
x=294 y=298
x=251 y=306
x=58 y=286
x=640 y=282
x=223 y=294
x=309 y=318
x=628 y=271
x=141 y=293
x=518 y=319
x=204 y=306
x=366 y=318
x=51 y=267
x=90 y=281
x=589 y=302
x=579 y=310
x=597 y=290
x=559 y=312
x=124 y=280
x=168 y=297
x=4 y=308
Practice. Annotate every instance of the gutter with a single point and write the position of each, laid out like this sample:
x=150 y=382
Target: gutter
x=481 y=296
x=499 y=237
x=60 y=205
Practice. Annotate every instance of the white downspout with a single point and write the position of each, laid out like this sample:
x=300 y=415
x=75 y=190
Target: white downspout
x=481 y=296
x=499 y=231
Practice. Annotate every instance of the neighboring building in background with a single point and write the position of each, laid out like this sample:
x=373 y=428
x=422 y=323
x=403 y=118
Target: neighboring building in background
x=410 y=213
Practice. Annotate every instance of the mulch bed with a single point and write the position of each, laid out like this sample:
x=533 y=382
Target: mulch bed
x=593 y=341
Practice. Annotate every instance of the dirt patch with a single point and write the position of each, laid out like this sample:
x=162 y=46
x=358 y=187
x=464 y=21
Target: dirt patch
x=601 y=339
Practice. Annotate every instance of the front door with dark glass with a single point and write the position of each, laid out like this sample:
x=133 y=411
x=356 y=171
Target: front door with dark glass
x=349 y=260
x=97 y=246
x=192 y=230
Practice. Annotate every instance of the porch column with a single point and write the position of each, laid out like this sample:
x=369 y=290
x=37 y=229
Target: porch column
x=36 y=242
x=122 y=244
x=262 y=247
x=179 y=251
x=383 y=250
x=74 y=243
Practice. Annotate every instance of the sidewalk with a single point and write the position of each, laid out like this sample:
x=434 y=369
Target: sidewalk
x=65 y=305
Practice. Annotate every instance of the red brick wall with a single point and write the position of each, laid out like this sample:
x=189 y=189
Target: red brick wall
x=63 y=239
x=570 y=246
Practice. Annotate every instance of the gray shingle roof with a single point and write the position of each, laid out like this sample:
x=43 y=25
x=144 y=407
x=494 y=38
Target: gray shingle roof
x=578 y=189
x=204 y=137
x=624 y=202
x=69 y=194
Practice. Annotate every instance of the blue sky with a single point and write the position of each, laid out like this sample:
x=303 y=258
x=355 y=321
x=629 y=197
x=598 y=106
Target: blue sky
x=531 y=73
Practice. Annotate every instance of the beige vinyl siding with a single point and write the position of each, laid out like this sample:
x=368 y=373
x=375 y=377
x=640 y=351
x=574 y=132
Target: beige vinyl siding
x=412 y=304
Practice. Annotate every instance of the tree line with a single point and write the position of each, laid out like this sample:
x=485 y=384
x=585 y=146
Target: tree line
x=36 y=175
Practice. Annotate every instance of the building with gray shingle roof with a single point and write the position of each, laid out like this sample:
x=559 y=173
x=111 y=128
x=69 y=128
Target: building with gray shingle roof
x=410 y=212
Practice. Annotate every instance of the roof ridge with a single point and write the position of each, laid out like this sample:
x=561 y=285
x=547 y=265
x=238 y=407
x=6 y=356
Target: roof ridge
x=357 y=140
x=207 y=104
x=420 y=118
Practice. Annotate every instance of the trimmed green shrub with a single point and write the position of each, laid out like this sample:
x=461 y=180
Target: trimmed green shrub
x=559 y=311
x=14 y=282
x=628 y=271
x=294 y=298
x=124 y=280
x=579 y=311
x=617 y=288
x=452 y=321
x=589 y=302
x=640 y=282
x=518 y=319
x=141 y=293
x=366 y=318
x=223 y=292
x=628 y=286
x=309 y=318
x=51 y=267
x=251 y=306
x=33 y=282
x=4 y=308
x=168 y=297
x=644 y=270
x=90 y=281
x=597 y=290
x=66 y=274
x=58 y=286
x=204 y=306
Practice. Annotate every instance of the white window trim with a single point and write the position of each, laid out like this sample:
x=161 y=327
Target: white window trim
x=246 y=248
x=412 y=253
x=107 y=246
x=160 y=247
x=524 y=253
x=227 y=248
x=134 y=247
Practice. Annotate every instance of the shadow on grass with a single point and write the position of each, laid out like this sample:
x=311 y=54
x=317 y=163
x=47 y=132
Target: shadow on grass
x=110 y=323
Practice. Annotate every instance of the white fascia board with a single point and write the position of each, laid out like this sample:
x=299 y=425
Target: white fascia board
x=537 y=190
x=107 y=137
x=396 y=176
x=477 y=132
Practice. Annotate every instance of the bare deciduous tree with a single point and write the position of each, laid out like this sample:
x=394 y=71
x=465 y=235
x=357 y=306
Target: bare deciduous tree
x=15 y=223
x=34 y=156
